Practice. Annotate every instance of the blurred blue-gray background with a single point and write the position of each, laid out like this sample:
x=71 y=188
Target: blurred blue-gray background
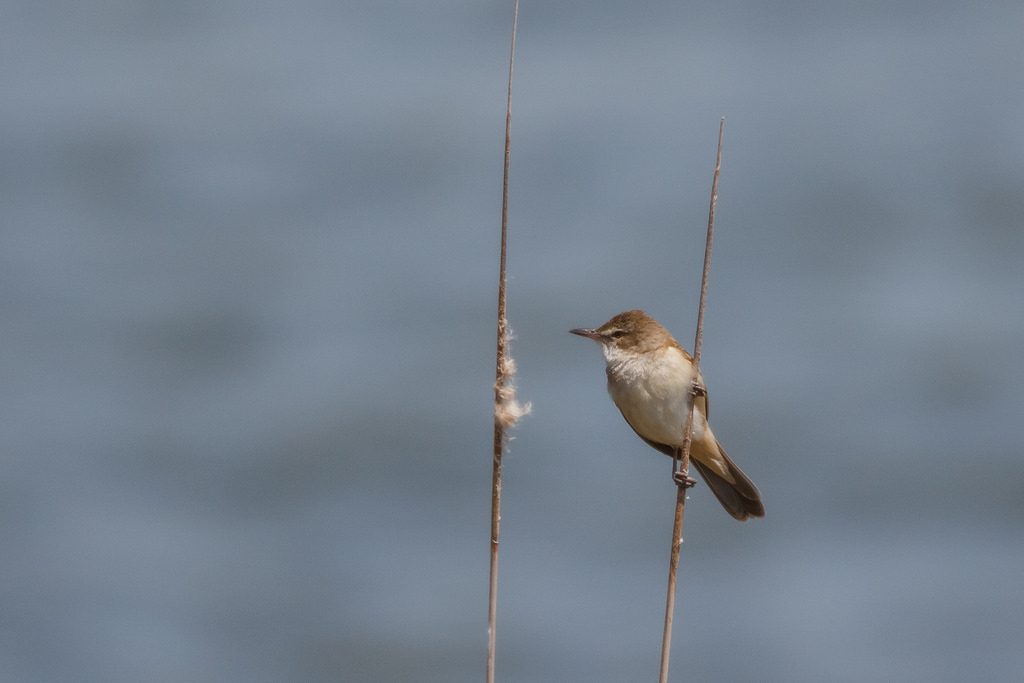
x=248 y=274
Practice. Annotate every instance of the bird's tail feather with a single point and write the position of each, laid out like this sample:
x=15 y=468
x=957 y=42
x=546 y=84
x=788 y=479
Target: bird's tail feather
x=740 y=497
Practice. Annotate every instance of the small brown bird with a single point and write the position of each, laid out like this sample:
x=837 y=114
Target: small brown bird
x=651 y=379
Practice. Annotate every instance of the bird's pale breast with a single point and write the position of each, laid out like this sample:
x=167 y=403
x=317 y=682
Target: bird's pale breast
x=652 y=390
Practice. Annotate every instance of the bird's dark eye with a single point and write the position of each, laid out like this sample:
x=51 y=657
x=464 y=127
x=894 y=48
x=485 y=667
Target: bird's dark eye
x=616 y=334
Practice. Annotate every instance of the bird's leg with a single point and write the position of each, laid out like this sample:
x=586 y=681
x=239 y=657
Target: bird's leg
x=680 y=476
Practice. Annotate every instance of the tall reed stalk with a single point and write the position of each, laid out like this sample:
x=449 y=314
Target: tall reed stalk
x=681 y=462
x=507 y=410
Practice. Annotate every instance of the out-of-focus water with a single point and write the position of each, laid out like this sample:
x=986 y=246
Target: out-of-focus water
x=248 y=258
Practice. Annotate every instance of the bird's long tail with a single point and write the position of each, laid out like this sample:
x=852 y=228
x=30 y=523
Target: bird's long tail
x=739 y=497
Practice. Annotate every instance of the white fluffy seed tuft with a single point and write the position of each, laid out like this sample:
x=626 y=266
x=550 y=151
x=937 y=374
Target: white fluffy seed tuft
x=507 y=409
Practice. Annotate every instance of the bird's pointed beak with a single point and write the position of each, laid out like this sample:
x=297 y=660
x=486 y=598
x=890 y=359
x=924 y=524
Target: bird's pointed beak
x=588 y=333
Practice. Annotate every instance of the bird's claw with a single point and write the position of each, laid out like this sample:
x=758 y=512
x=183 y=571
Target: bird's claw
x=683 y=478
x=698 y=389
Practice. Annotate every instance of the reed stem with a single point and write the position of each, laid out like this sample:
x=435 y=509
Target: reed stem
x=681 y=461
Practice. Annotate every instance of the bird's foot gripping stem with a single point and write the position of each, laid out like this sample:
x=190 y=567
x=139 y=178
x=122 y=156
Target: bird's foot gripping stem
x=683 y=478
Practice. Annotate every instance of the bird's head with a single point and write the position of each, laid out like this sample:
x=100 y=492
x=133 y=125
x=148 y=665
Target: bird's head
x=630 y=331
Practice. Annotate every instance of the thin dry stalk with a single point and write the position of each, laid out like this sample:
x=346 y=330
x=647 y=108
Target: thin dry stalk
x=506 y=409
x=681 y=463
